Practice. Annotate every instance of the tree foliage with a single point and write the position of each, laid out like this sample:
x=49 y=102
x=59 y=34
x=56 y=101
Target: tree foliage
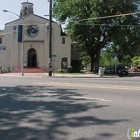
x=87 y=25
x=1 y=31
x=107 y=58
x=85 y=60
x=136 y=61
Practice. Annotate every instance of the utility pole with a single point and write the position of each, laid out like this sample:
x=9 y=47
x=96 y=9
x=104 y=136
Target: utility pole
x=50 y=39
x=22 y=49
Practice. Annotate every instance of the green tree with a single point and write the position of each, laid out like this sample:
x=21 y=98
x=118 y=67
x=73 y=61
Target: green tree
x=85 y=59
x=1 y=31
x=126 y=44
x=136 y=61
x=106 y=59
x=93 y=33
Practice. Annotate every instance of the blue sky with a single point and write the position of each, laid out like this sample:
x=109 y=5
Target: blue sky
x=41 y=8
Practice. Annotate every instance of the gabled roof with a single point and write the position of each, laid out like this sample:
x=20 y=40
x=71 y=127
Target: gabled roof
x=62 y=33
x=28 y=16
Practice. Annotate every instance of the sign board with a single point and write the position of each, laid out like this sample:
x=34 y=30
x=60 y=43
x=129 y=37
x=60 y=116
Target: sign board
x=53 y=55
x=2 y=47
x=64 y=63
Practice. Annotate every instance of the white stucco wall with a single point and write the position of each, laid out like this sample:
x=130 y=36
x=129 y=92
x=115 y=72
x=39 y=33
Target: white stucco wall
x=11 y=57
x=4 y=55
x=59 y=49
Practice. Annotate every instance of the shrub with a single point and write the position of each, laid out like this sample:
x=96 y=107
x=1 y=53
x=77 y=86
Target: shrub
x=60 y=71
x=69 y=69
x=8 y=69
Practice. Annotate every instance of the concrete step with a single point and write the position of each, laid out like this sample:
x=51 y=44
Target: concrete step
x=30 y=70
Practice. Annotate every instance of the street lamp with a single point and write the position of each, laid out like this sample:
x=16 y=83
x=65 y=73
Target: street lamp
x=22 y=49
x=50 y=39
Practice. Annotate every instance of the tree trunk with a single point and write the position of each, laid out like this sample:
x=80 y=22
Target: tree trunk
x=92 y=63
x=97 y=60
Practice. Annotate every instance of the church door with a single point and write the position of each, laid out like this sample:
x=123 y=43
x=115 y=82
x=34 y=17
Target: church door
x=32 y=58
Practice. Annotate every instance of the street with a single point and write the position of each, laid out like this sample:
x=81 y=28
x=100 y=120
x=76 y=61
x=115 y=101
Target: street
x=68 y=108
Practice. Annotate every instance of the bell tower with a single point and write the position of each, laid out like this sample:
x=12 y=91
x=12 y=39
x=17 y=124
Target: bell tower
x=26 y=9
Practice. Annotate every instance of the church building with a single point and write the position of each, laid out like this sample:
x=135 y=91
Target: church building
x=35 y=38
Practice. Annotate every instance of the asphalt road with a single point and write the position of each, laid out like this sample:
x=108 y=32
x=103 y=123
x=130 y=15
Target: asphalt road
x=43 y=108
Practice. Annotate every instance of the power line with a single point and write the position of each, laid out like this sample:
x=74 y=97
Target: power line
x=119 y=15
x=109 y=25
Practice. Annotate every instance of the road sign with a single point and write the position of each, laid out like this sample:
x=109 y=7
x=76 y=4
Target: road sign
x=53 y=55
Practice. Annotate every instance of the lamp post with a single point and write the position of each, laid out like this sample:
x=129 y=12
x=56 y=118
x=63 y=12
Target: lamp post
x=22 y=49
x=50 y=39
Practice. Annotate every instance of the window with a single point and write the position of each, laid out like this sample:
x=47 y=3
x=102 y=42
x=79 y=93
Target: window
x=0 y=40
x=63 y=40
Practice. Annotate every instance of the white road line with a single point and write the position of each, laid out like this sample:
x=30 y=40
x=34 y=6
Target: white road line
x=88 y=85
x=89 y=98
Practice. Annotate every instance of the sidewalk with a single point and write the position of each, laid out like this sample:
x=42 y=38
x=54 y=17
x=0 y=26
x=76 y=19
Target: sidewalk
x=54 y=75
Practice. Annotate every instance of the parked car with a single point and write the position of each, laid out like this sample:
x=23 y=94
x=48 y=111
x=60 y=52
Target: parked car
x=109 y=70
x=121 y=70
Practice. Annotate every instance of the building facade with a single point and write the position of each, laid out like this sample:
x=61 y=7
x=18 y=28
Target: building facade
x=36 y=42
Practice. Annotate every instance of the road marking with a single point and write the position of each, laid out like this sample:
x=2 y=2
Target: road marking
x=89 y=98
x=88 y=85
x=75 y=97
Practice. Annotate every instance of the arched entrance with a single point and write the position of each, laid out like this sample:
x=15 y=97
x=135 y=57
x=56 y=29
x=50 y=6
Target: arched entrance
x=32 y=58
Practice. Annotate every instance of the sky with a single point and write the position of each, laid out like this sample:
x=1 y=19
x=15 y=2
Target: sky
x=41 y=8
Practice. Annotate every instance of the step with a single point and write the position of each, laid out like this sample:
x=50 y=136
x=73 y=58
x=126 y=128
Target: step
x=30 y=70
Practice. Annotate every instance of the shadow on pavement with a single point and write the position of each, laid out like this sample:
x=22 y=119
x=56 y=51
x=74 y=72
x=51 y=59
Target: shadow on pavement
x=44 y=113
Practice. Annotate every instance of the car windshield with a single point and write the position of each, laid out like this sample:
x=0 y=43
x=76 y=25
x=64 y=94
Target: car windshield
x=120 y=67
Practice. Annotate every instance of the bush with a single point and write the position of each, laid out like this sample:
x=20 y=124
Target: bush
x=8 y=69
x=69 y=69
x=60 y=71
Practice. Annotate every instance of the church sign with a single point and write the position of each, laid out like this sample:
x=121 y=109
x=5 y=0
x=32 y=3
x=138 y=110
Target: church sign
x=64 y=62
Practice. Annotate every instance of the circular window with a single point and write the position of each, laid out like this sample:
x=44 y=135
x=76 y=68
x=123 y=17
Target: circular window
x=32 y=30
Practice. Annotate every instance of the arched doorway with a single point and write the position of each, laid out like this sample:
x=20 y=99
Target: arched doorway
x=32 y=58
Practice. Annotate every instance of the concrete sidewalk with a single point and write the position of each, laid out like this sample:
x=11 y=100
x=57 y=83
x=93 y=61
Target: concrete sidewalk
x=78 y=75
